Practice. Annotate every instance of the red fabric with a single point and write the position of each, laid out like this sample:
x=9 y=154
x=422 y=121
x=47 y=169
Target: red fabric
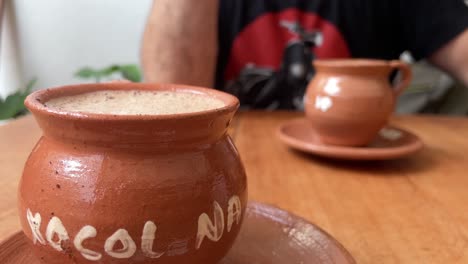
x=263 y=41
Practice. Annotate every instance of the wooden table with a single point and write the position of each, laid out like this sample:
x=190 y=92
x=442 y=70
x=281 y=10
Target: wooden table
x=404 y=211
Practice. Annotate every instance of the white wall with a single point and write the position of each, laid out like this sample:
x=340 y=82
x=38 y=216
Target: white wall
x=56 y=37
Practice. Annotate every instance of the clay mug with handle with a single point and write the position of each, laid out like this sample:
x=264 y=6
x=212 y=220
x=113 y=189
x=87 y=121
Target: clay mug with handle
x=350 y=100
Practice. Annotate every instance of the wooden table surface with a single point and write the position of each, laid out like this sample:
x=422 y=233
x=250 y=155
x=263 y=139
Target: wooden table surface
x=413 y=210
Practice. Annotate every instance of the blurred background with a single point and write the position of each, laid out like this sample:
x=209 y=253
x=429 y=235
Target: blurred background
x=52 y=40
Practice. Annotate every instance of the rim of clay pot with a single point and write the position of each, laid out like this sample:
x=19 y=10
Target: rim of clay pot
x=351 y=62
x=36 y=101
x=369 y=67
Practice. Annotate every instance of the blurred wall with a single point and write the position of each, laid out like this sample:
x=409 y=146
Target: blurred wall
x=51 y=39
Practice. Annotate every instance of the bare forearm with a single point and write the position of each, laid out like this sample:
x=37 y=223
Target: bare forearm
x=453 y=58
x=180 y=42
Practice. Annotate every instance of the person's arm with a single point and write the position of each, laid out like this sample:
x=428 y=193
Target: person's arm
x=436 y=30
x=180 y=42
x=453 y=57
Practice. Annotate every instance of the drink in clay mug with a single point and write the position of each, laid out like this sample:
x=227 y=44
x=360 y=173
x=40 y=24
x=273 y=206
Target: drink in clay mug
x=350 y=100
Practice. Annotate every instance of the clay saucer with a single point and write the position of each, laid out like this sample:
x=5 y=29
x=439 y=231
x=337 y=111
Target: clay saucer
x=391 y=143
x=268 y=236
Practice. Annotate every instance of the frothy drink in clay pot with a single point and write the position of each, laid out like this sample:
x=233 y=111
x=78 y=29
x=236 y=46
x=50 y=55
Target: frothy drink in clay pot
x=132 y=173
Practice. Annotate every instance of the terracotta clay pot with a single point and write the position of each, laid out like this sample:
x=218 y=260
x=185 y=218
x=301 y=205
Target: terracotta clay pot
x=132 y=189
x=350 y=100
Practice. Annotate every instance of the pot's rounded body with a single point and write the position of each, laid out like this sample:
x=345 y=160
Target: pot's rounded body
x=110 y=189
x=349 y=101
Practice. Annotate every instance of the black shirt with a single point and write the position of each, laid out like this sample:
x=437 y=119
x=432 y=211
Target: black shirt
x=253 y=32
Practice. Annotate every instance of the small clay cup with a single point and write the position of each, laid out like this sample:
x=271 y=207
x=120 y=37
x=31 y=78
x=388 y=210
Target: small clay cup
x=350 y=100
x=101 y=188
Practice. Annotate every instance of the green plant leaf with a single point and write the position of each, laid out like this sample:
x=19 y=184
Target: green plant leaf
x=13 y=105
x=30 y=85
x=87 y=73
x=109 y=70
x=131 y=72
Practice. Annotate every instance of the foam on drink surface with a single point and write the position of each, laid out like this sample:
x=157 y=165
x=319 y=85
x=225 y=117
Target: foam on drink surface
x=135 y=102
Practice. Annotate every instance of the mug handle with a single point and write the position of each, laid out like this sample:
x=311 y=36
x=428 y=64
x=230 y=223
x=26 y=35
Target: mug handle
x=406 y=76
